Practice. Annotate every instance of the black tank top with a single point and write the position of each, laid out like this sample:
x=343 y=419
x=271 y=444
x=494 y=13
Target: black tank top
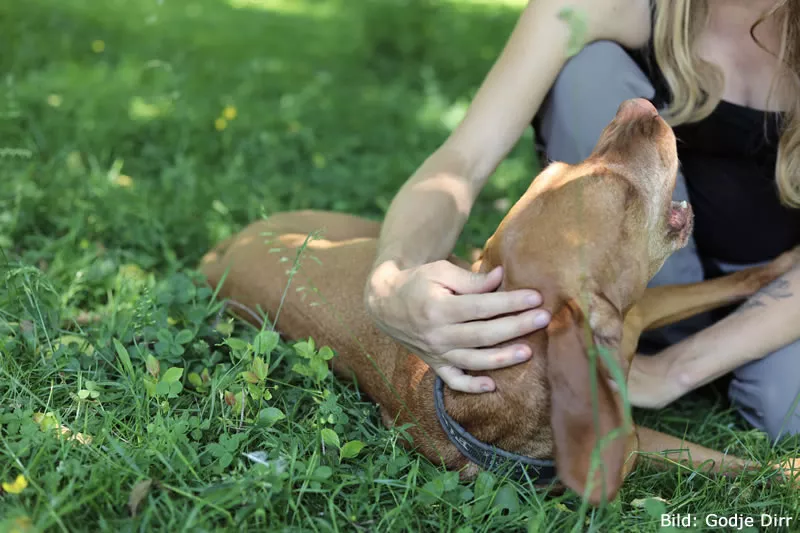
x=728 y=160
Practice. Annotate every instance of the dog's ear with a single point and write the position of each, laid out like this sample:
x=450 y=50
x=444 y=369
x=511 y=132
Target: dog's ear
x=580 y=426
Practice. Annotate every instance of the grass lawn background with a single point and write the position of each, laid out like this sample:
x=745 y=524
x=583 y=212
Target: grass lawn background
x=134 y=135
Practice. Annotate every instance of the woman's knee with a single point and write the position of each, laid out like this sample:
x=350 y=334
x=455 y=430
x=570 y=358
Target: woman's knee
x=602 y=70
x=780 y=413
x=585 y=97
x=767 y=392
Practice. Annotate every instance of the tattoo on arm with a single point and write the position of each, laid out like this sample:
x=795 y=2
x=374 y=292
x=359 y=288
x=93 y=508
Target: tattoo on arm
x=777 y=290
x=750 y=304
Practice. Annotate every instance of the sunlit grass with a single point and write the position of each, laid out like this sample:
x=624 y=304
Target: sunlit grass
x=297 y=7
x=492 y=3
x=134 y=134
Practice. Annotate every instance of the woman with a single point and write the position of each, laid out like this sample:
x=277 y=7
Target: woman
x=726 y=75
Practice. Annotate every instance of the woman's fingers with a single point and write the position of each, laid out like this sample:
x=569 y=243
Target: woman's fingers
x=469 y=307
x=481 y=334
x=488 y=358
x=456 y=379
x=463 y=281
x=447 y=316
x=474 y=298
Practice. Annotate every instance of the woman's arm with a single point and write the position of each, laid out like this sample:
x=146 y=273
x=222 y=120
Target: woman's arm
x=413 y=295
x=765 y=323
x=427 y=215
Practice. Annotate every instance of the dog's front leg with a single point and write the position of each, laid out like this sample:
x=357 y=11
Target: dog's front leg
x=661 y=306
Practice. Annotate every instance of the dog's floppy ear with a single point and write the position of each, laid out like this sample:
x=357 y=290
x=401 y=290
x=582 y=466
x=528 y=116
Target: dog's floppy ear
x=580 y=425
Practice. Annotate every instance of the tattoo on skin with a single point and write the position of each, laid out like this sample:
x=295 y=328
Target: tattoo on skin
x=777 y=290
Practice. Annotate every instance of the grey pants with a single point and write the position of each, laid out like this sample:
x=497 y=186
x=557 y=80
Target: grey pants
x=583 y=100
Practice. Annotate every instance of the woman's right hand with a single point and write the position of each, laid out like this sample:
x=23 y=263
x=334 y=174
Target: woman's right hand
x=448 y=316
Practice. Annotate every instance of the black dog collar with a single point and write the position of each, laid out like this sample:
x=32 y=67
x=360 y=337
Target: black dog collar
x=486 y=456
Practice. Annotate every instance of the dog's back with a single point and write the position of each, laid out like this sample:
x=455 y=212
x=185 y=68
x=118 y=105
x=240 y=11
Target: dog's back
x=309 y=268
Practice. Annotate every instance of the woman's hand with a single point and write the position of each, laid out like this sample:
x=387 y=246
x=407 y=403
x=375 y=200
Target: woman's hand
x=448 y=316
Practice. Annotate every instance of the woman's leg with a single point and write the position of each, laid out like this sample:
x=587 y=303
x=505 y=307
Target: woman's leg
x=767 y=392
x=584 y=99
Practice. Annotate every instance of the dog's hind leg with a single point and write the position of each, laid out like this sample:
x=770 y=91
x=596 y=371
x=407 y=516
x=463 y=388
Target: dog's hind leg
x=662 y=450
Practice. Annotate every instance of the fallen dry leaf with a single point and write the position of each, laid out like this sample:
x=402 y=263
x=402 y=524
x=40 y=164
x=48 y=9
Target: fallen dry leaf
x=138 y=493
x=641 y=502
x=48 y=422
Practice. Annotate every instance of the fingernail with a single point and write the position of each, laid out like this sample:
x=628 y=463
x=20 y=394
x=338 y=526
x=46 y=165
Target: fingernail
x=485 y=388
x=520 y=355
x=541 y=319
x=533 y=300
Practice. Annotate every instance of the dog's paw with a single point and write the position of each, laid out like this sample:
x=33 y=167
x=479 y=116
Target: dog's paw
x=785 y=262
x=786 y=472
x=790 y=471
x=386 y=417
x=754 y=279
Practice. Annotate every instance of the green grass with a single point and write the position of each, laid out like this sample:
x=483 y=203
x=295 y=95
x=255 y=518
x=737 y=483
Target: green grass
x=115 y=181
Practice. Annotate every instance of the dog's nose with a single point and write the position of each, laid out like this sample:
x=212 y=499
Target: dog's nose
x=635 y=108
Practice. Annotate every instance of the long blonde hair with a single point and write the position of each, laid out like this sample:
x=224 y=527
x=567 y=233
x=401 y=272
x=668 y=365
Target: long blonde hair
x=696 y=85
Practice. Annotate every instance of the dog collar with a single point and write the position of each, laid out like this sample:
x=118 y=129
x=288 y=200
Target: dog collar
x=486 y=456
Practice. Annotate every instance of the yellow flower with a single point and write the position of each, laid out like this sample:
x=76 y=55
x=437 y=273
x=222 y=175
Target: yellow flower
x=229 y=112
x=98 y=46
x=54 y=100
x=48 y=422
x=220 y=124
x=17 y=486
x=124 y=181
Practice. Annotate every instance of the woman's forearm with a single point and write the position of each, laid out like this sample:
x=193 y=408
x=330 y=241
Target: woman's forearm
x=765 y=323
x=428 y=214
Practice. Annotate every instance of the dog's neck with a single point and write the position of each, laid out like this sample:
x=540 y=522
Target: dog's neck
x=516 y=416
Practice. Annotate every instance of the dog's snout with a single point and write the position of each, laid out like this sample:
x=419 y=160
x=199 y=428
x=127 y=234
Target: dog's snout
x=636 y=108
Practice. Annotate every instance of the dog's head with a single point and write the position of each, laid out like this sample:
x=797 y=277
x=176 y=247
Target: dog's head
x=639 y=147
x=589 y=237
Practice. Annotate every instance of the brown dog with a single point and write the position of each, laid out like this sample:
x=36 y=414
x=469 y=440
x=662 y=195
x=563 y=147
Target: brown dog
x=588 y=236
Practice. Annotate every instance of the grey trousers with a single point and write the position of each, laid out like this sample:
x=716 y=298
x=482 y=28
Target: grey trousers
x=583 y=100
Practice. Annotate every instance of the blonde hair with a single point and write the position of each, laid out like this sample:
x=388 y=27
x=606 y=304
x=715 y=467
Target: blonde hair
x=696 y=85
